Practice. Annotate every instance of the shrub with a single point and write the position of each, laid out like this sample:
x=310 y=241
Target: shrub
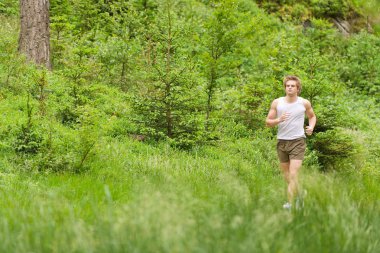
x=362 y=68
x=332 y=112
x=334 y=149
x=297 y=12
x=329 y=8
x=28 y=139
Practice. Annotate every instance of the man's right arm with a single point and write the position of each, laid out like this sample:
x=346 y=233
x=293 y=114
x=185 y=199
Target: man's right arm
x=272 y=119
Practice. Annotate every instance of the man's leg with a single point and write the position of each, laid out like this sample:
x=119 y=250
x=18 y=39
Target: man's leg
x=294 y=168
x=285 y=171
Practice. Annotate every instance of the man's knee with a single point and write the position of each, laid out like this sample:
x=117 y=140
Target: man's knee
x=295 y=164
x=285 y=166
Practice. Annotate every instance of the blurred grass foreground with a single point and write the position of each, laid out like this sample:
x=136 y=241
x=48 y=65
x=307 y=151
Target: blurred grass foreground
x=153 y=199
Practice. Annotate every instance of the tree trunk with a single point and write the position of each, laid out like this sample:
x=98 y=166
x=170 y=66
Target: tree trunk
x=34 y=40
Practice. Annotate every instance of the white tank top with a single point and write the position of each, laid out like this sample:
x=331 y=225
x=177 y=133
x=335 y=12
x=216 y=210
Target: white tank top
x=293 y=127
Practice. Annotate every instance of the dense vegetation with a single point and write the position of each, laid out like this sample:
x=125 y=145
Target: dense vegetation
x=148 y=135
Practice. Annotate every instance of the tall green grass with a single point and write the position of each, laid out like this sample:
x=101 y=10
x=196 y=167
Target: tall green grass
x=224 y=198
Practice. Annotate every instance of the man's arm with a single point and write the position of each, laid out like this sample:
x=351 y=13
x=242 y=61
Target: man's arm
x=311 y=116
x=271 y=120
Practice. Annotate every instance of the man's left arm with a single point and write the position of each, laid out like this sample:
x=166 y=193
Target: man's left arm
x=311 y=116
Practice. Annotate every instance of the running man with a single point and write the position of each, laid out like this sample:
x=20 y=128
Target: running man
x=289 y=114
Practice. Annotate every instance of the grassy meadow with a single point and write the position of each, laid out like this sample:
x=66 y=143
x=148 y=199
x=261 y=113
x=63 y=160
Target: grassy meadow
x=224 y=198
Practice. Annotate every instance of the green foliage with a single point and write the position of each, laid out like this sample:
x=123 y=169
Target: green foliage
x=169 y=105
x=337 y=118
x=288 y=11
x=188 y=67
x=321 y=36
x=28 y=140
x=119 y=49
x=316 y=72
x=52 y=157
x=329 y=8
x=248 y=104
x=219 y=41
x=296 y=13
x=88 y=134
x=9 y=7
x=12 y=64
x=331 y=114
x=335 y=149
x=83 y=169
x=361 y=68
x=301 y=10
x=115 y=55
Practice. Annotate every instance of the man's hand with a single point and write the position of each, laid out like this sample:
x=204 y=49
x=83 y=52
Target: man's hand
x=283 y=117
x=309 y=130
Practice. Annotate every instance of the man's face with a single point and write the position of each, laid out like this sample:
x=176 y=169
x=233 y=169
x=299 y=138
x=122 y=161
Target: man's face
x=291 y=88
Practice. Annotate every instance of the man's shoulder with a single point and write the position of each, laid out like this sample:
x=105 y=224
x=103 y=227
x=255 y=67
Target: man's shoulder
x=275 y=101
x=305 y=102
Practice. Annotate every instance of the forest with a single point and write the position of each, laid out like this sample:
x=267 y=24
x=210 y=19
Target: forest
x=143 y=130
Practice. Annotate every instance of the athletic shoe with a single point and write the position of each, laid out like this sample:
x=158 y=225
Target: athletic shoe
x=287 y=206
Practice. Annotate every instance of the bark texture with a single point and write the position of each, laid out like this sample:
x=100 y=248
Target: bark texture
x=34 y=40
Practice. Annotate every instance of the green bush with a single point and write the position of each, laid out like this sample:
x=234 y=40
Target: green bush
x=335 y=149
x=298 y=9
x=361 y=69
x=329 y=8
x=50 y=160
x=333 y=112
x=296 y=13
x=28 y=138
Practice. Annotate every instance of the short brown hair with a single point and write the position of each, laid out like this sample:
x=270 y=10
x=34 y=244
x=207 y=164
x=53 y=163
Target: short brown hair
x=293 y=78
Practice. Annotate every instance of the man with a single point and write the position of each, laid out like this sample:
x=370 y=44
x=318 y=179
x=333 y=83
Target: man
x=289 y=114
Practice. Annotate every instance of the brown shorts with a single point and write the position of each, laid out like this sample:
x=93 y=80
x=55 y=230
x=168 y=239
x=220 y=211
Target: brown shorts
x=291 y=149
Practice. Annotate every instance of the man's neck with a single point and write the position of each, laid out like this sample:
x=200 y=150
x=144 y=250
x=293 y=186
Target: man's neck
x=291 y=99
